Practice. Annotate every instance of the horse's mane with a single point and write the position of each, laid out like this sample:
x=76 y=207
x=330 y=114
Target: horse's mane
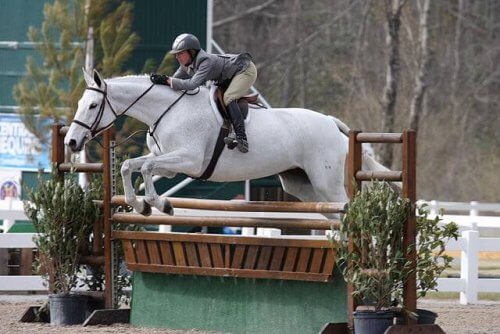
x=132 y=76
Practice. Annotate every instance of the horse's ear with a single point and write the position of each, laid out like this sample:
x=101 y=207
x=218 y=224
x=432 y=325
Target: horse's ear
x=87 y=77
x=97 y=79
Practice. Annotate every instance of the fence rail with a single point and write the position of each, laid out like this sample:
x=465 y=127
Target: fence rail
x=469 y=284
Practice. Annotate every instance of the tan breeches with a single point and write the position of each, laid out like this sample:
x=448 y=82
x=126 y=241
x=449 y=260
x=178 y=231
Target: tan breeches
x=240 y=84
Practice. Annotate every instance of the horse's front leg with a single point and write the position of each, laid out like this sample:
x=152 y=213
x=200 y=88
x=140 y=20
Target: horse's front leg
x=167 y=165
x=128 y=167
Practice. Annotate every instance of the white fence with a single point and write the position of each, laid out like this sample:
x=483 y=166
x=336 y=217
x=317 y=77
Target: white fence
x=472 y=221
x=10 y=211
x=469 y=244
x=469 y=283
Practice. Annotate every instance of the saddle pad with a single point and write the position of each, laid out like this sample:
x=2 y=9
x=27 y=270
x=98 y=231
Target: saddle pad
x=215 y=109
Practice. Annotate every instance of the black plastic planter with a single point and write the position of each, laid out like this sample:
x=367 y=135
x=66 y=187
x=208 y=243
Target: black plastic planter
x=372 y=322
x=67 y=309
x=424 y=317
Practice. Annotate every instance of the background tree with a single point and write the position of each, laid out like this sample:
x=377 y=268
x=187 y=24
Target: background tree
x=330 y=56
x=54 y=82
x=393 y=22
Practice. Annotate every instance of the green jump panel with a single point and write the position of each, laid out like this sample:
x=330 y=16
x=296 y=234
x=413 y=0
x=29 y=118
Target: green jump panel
x=236 y=305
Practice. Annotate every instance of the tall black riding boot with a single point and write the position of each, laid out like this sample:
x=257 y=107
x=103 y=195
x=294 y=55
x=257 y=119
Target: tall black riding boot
x=239 y=128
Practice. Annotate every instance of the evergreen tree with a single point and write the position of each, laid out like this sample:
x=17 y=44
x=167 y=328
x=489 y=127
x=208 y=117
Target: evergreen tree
x=54 y=82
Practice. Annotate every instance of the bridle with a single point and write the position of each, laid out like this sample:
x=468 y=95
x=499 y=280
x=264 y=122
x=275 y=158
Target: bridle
x=93 y=128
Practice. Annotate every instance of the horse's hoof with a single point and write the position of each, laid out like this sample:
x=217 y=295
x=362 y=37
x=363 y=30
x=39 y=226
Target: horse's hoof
x=146 y=211
x=168 y=208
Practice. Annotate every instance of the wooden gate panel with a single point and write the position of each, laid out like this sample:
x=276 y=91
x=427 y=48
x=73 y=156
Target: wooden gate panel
x=228 y=256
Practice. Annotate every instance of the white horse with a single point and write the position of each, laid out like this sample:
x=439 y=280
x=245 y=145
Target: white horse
x=304 y=147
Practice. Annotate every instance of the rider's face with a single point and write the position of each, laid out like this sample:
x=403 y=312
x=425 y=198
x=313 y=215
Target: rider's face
x=183 y=57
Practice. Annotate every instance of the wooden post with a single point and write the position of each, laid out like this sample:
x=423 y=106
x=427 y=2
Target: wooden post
x=26 y=262
x=353 y=184
x=410 y=229
x=354 y=163
x=106 y=212
x=57 y=148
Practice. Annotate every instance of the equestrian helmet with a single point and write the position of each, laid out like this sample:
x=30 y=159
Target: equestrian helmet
x=185 y=42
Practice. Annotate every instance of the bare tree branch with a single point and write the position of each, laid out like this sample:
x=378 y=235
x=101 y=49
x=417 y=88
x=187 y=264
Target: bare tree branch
x=421 y=77
x=309 y=38
x=393 y=13
x=242 y=14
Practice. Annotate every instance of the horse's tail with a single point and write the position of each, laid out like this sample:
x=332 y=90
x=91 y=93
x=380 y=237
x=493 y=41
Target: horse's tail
x=341 y=125
x=368 y=153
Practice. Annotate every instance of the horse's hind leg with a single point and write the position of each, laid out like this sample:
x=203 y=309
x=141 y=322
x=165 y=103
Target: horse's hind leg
x=328 y=181
x=128 y=167
x=296 y=183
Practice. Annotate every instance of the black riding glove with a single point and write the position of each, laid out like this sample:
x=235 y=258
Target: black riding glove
x=159 y=79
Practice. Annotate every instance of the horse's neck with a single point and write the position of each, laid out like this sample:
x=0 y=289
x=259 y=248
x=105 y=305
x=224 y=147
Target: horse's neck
x=150 y=107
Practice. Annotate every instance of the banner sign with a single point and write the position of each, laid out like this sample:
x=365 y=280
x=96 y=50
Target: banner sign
x=19 y=148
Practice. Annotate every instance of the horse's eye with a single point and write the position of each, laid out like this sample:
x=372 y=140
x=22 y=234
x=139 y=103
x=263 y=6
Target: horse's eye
x=93 y=105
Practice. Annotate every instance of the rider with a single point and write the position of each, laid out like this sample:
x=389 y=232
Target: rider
x=235 y=73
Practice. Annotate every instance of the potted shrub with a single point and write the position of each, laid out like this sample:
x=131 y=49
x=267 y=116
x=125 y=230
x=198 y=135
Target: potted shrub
x=432 y=237
x=377 y=267
x=62 y=215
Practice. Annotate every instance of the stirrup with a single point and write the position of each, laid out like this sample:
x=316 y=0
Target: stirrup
x=230 y=142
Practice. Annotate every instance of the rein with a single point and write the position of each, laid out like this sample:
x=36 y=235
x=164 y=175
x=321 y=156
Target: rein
x=93 y=127
x=155 y=124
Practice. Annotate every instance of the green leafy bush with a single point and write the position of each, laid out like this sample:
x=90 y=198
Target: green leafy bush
x=62 y=214
x=374 y=223
x=432 y=237
x=377 y=267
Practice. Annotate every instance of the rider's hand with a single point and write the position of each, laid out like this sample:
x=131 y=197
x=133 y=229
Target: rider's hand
x=159 y=79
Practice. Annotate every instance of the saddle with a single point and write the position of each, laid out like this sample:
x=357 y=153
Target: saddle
x=225 y=129
x=243 y=103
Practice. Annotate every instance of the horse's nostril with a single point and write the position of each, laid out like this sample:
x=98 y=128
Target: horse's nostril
x=72 y=143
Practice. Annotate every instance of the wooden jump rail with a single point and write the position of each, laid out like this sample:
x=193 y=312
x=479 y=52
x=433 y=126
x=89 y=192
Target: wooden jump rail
x=91 y=167
x=245 y=206
x=280 y=223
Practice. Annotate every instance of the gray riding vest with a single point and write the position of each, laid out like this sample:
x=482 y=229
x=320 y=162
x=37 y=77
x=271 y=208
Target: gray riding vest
x=206 y=66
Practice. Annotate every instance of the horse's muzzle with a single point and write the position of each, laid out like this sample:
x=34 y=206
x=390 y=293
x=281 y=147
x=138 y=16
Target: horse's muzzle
x=73 y=146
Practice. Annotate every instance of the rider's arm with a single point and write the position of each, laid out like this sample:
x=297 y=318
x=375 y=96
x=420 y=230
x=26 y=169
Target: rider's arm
x=181 y=73
x=198 y=79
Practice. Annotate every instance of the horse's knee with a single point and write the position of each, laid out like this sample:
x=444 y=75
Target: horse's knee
x=125 y=168
x=147 y=168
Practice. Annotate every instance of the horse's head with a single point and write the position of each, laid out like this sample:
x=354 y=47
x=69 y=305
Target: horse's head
x=94 y=113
